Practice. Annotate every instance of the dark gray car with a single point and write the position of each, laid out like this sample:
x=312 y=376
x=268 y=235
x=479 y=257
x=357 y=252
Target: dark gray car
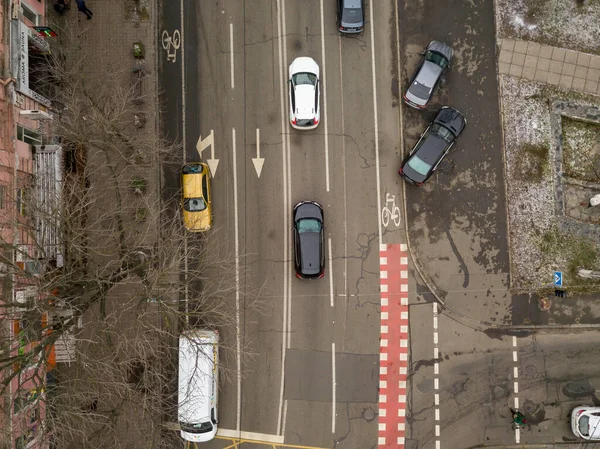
x=435 y=61
x=432 y=147
x=309 y=236
x=351 y=16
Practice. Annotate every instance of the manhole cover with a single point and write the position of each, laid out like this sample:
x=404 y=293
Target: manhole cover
x=368 y=414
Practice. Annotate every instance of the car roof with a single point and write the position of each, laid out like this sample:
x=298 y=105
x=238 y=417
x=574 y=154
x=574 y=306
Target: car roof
x=452 y=119
x=443 y=49
x=310 y=253
x=305 y=101
x=428 y=74
x=192 y=184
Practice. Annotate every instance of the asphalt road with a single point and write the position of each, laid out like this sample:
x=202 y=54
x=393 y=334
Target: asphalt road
x=300 y=359
x=314 y=325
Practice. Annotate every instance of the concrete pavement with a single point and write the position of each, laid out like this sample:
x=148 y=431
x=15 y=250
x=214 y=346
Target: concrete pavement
x=550 y=65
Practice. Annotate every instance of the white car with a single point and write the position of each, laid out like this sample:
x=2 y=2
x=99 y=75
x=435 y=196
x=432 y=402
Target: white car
x=304 y=93
x=585 y=422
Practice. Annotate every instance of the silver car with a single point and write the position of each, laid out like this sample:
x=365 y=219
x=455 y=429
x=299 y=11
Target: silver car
x=435 y=61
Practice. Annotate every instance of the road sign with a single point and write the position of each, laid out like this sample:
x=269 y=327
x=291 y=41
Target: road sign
x=558 y=278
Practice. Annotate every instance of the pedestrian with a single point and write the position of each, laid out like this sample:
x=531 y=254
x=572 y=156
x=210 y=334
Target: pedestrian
x=518 y=417
x=84 y=9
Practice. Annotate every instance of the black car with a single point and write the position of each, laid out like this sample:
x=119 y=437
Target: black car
x=434 y=144
x=351 y=16
x=435 y=61
x=309 y=253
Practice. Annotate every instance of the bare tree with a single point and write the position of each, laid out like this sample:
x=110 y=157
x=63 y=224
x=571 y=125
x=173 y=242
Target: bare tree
x=113 y=275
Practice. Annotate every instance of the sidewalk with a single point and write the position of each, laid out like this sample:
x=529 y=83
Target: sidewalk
x=556 y=66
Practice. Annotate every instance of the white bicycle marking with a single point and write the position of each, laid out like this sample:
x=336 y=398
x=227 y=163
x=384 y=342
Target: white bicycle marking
x=171 y=44
x=392 y=212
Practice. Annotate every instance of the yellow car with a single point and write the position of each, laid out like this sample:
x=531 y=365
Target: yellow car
x=197 y=208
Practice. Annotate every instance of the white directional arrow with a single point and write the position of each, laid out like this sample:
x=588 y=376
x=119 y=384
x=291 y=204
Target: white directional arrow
x=258 y=161
x=202 y=145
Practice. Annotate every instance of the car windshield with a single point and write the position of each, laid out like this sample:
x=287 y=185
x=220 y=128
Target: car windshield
x=196 y=428
x=194 y=204
x=419 y=165
x=420 y=90
x=351 y=15
x=436 y=58
x=304 y=78
x=584 y=425
x=442 y=132
x=309 y=225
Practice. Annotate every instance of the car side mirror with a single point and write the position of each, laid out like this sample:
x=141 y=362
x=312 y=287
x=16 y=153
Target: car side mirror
x=422 y=53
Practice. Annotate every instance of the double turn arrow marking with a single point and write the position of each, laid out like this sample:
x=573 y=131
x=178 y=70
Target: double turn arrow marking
x=213 y=163
x=202 y=145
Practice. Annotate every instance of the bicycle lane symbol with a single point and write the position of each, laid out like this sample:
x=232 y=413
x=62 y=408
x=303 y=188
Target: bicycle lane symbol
x=392 y=212
x=171 y=44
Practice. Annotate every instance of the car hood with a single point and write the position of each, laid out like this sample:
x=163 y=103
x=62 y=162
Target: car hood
x=310 y=244
x=452 y=119
x=304 y=64
x=441 y=48
x=305 y=101
x=308 y=210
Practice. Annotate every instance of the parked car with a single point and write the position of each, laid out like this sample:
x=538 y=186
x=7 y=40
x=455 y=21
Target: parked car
x=195 y=201
x=309 y=240
x=435 y=61
x=304 y=93
x=351 y=16
x=432 y=147
x=585 y=422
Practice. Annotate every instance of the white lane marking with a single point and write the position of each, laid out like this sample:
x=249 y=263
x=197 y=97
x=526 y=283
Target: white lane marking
x=182 y=82
x=375 y=121
x=285 y=405
x=286 y=230
x=330 y=272
x=237 y=286
x=226 y=433
x=516 y=385
x=231 y=53
x=333 y=387
x=400 y=114
x=436 y=379
x=344 y=179
x=324 y=98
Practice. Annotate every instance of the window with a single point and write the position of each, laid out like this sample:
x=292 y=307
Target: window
x=2 y=196
x=21 y=201
x=28 y=136
x=29 y=14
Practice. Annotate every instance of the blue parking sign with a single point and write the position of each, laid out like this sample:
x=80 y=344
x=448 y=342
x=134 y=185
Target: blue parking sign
x=558 y=279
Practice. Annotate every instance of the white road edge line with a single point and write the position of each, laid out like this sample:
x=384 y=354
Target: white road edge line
x=237 y=286
x=281 y=410
x=288 y=168
x=376 y=122
x=516 y=385
x=227 y=433
x=231 y=53
x=186 y=292
x=330 y=272
x=345 y=181
x=324 y=98
x=333 y=387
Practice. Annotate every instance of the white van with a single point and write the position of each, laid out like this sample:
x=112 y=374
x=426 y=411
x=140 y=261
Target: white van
x=198 y=384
